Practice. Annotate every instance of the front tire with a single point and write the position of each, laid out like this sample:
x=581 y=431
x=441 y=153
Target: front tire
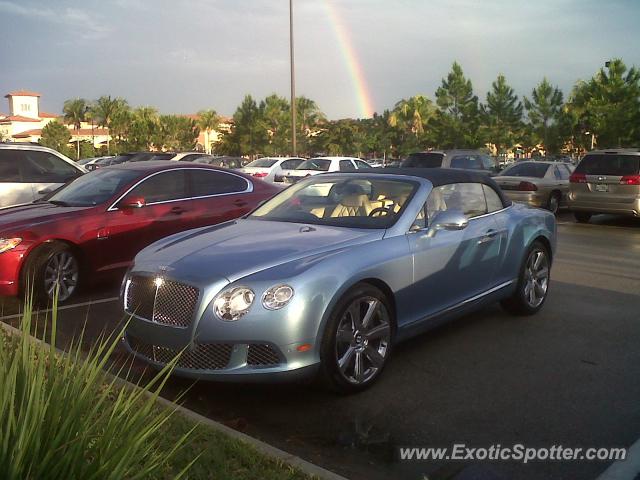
x=533 y=282
x=357 y=341
x=52 y=270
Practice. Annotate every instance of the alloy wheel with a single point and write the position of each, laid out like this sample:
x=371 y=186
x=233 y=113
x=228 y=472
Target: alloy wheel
x=363 y=340
x=61 y=273
x=536 y=275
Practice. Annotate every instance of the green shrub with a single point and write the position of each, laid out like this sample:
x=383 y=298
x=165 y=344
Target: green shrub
x=65 y=417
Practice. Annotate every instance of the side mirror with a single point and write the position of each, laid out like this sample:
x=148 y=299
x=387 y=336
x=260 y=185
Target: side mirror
x=448 y=220
x=131 y=202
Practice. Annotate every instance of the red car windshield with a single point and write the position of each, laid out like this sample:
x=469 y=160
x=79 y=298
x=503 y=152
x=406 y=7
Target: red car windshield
x=93 y=188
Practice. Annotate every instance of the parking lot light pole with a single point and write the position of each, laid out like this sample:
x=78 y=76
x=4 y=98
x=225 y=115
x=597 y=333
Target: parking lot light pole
x=293 y=83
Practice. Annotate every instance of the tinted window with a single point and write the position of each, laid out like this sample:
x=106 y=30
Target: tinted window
x=362 y=165
x=471 y=162
x=321 y=164
x=205 y=183
x=43 y=167
x=291 y=164
x=162 y=187
x=94 y=188
x=494 y=203
x=346 y=166
x=565 y=172
x=9 y=171
x=424 y=160
x=263 y=162
x=526 y=169
x=609 y=165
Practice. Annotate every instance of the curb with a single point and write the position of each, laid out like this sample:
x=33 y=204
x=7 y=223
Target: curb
x=304 y=466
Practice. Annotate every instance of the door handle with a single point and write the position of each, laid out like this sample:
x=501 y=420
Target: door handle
x=178 y=210
x=239 y=203
x=488 y=237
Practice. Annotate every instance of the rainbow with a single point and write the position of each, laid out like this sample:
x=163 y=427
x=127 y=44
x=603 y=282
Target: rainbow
x=360 y=86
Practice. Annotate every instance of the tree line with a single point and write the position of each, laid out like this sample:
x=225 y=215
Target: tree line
x=603 y=111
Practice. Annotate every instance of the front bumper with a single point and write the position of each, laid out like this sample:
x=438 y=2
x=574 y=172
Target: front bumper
x=261 y=346
x=10 y=266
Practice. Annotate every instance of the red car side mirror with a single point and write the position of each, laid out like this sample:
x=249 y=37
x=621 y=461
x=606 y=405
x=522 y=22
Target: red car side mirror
x=131 y=202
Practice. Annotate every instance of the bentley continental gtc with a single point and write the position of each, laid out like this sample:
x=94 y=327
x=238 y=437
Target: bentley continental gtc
x=330 y=274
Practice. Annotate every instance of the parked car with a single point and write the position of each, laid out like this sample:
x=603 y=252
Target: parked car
x=271 y=169
x=317 y=165
x=95 y=225
x=464 y=159
x=606 y=181
x=85 y=162
x=150 y=156
x=233 y=163
x=187 y=156
x=538 y=184
x=330 y=283
x=130 y=157
x=27 y=172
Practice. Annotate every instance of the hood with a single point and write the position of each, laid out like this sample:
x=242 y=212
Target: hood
x=239 y=248
x=30 y=215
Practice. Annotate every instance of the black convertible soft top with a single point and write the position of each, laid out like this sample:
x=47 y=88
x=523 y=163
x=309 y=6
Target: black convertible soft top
x=443 y=176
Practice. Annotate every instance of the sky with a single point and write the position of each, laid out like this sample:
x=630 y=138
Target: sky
x=352 y=57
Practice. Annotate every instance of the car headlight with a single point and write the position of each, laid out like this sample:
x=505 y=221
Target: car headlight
x=233 y=303
x=9 y=243
x=277 y=297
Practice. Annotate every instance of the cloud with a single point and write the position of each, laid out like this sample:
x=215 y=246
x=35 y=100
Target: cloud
x=84 y=25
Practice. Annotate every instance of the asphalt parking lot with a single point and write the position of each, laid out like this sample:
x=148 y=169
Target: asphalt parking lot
x=566 y=376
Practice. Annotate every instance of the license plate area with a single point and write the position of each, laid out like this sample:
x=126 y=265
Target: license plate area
x=602 y=187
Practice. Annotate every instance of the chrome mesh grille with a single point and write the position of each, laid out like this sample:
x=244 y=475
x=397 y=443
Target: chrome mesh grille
x=170 y=303
x=262 y=354
x=205 y=356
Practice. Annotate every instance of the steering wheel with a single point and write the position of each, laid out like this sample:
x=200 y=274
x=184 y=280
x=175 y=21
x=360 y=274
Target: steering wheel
x=380 y=212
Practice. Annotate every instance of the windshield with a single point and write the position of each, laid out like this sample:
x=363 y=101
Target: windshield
x=354 y=202
x=321 y=164
x=263 y=162
x=526 y=169
x=93 y=188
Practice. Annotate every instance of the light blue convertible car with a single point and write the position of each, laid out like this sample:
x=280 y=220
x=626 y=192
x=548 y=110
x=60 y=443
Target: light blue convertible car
x=330 y=274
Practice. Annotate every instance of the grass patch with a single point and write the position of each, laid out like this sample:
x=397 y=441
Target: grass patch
x=64 y=416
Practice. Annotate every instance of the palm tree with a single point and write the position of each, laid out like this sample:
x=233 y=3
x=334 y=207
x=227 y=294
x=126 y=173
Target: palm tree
x=75 y=112
x=105 y=109
x=412 y=114
x=208 y=121
x=308 y=118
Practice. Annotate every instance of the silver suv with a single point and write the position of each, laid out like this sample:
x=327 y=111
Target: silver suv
x=606 y=181
x=465 y=159
x=27 y=172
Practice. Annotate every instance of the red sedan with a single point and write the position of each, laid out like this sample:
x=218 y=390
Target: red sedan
x=95 y=225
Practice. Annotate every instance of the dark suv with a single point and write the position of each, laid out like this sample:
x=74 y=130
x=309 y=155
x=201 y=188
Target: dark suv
x=606 y=181
x=465 y=159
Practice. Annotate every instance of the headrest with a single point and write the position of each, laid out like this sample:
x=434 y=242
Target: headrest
x=353 y=200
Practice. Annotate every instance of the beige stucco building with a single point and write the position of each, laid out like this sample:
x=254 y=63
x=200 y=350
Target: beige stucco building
x=25 y=121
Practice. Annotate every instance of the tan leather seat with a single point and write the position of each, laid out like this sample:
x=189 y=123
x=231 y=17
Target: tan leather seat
x=352 y=206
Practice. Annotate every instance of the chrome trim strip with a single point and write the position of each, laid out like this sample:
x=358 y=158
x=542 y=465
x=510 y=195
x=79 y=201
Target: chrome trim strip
x=249 y=188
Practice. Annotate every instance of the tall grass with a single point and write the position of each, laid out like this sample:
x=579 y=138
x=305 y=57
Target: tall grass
x=63 y=417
